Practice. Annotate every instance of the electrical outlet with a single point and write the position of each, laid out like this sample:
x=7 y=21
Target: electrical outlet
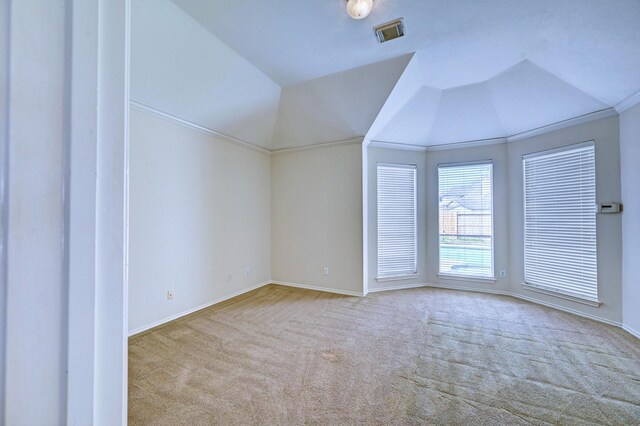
x=325 y=271
x=170 y=295
x=229 y=277
x=247 y=271
x=503 y=274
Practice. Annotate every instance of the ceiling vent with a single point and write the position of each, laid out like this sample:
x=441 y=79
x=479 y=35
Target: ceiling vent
x=390 y=30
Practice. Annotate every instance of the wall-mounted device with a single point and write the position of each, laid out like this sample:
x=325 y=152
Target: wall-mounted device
x=606 y=208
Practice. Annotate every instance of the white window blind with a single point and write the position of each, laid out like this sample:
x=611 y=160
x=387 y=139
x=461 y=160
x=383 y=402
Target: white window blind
x=465 y=194
x=397 y=239
x=560 y=221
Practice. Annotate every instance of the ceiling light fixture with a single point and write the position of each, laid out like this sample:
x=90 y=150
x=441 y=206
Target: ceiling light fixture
x=359 y=9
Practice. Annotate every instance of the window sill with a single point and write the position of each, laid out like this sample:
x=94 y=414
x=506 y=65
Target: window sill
x=594 y=303
x=466 y=278
x=397 y=278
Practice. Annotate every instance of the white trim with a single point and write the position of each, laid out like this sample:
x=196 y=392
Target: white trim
x=634 y=333
x=324 y=289
x=585 y=118
x=581 y=119
x=353 y=141
x=389 y=288
x=466 y=278
x=515 y=295
x=397 y=278
x=396 y=145
x=565 y=309
x=542 y=290
x=465 y=288
x=168 y=116
x=628 y=102
x=467 y=144
x=396 y=287
x=365 y=216
x=232 y=139
x=197 y=308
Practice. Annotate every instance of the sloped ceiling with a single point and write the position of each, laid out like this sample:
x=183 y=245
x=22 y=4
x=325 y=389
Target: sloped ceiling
x=180 y=68
x=482 y=69
x=521 y=98
x=336 y=107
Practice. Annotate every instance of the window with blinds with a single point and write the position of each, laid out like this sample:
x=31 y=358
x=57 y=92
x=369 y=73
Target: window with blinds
x=560 y=221
x=397 y=236
x=465 y=198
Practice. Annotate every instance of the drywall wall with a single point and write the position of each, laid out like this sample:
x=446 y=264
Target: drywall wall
x=609 y=227
x=199 y=212
x=501 y=247
x=316 y=217
x=336 y=107
x=35 y=286
x=508 y=215
x=393 y=156
x=179 y=67
x=66 y=134
x=4 y=142
x=630 y=179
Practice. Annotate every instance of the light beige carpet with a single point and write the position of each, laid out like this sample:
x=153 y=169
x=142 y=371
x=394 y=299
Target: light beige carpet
x=282 y=356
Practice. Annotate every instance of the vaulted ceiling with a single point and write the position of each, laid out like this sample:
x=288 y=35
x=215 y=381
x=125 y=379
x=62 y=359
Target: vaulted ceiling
x=482 y=69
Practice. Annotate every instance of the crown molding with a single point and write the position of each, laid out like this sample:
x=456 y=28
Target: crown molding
x=581 y=119
x=352 y=141
x=439 y=147
x=607 y=112
x=396 y=145
x=585 y=118
x=231 y=139
x=466 y=144
x=628 y=102
x=218 y=135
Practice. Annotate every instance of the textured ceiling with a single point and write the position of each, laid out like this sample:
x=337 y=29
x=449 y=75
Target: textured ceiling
x=483 y=69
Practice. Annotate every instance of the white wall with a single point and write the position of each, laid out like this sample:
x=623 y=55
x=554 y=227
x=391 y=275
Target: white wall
x=65 y=177
x=605 y=134
x=336 y=107
x=179 y=67
x=316 y=217
x=35 y=288
x=4 y=142
x=200 y=210
x=508 y=214
x=381 y=155
x=630 y=176
x=428 y=228
x=501 y=243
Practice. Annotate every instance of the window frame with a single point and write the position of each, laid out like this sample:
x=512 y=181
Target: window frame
x=414 y=273
x=464 y=277
x=545 y=289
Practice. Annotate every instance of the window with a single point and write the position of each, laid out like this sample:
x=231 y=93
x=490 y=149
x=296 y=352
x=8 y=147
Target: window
x=465 y=196
x=397 y=240
x=560 y=221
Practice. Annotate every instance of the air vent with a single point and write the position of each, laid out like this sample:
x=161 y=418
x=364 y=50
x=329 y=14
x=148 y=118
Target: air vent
x=390 y=30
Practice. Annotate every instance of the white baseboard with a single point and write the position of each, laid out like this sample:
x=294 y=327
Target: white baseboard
x=311 y=287
x=512 y=294
x=197 y=308
x=631 y=331
x=626 y=328
x=465 y=288
x=397 y=287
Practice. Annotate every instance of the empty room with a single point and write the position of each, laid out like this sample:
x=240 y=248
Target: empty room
x=332 y=212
